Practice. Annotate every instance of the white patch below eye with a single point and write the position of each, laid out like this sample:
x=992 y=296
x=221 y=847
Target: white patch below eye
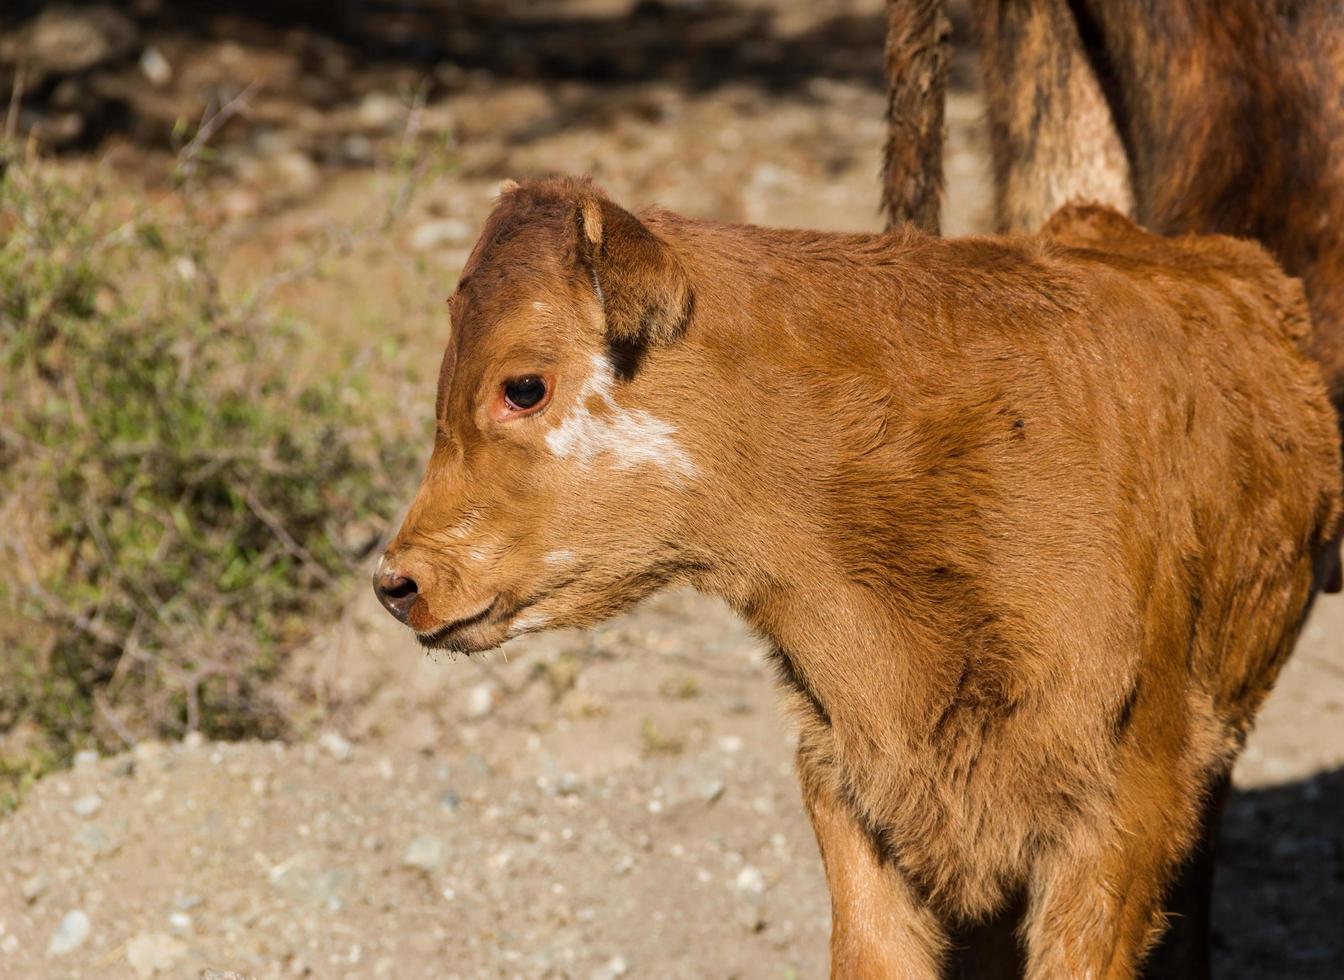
x=629 y=436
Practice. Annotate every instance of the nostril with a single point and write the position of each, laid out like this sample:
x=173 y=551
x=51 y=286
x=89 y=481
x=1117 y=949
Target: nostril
x=396 y=592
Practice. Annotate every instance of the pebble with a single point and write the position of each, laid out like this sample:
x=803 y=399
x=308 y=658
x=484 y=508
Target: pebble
x=154 y=952
x=480 y=700
x=66 y=39
x=156 y=66
x=337 y=745
x=750 y=881
x=378 y=110
x=424 y=853
x=240 y=202
x=87 y=806
x=70 y=934
x=432 y=234
x=293 y=172
x=613 y=968
x=147 y=750
x=86 y=759
x=32 y=888
x=95 y=840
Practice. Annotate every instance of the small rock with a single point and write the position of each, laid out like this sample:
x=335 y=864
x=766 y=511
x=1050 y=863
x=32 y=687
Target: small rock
x=358 y=150
x=449 y=800
x=731 y=744
x=181 y=922
x=32 y=888
x=613 y=968
x=294 y=172
x=568 y=784
x=444 y=231
x=148 y=749
x=123 y=766
x=749 y=917
x=240 y=203
x=378 y=110
x=337 y=746
x=424 y=853
x=86 y=759
x=66 y=39
x=193 y=741
x=95 y=840
x=87 y=806
x=750 y=881
x=70 y=934
x=480 y=700
x=154 y=952
x=155 y=67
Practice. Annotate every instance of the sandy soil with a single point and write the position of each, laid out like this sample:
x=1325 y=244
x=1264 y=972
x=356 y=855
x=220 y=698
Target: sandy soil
x=601 y=804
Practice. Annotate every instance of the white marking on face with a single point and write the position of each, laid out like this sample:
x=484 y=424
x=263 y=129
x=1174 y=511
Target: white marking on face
x=629 y=436
x=561 y=556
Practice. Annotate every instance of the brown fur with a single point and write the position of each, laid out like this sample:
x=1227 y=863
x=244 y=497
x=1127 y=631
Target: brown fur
x=1028 y=521
x=1192 y=115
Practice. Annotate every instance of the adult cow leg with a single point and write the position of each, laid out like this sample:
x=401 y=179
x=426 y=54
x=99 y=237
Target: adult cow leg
x=1052 y=136
x=880 y=929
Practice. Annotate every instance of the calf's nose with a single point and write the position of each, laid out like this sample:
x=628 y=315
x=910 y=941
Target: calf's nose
x=395 y=591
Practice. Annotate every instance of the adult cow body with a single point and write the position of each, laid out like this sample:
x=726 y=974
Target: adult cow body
x=1190 y=115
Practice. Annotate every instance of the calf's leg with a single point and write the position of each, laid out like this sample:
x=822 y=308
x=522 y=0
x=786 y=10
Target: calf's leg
x=1183 y=952
x=880 y=929
x=1095 y=905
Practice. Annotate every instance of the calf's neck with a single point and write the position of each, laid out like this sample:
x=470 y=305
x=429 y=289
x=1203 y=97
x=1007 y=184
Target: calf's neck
x=1029 y=523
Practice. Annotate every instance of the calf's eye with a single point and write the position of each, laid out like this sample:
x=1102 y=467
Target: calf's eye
x=524 y=393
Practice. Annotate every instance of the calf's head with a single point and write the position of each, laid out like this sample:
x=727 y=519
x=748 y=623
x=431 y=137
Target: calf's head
x=561 y=478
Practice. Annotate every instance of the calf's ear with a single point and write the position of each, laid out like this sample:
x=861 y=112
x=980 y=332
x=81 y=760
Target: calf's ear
x=644 y=291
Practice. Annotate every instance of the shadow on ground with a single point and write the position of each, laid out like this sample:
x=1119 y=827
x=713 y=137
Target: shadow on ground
x=1279 y=891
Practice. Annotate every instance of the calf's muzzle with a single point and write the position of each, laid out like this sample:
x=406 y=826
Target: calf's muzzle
x=396 y=592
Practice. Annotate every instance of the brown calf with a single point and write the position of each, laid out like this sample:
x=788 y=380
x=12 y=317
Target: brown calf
x=1028 y=522
x=1192 y=115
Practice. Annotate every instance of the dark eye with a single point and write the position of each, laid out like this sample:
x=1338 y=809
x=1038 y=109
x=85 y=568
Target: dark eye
x=524 y=393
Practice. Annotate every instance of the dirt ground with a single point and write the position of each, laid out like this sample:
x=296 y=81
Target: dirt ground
x=593 y=805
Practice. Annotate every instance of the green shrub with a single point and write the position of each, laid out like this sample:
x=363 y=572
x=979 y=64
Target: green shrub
x=176 y=511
